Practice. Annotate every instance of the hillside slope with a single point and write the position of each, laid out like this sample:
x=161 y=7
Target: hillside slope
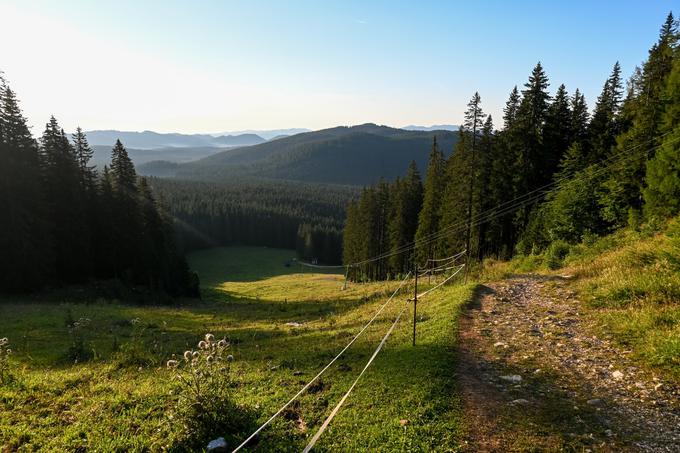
x=355 y=155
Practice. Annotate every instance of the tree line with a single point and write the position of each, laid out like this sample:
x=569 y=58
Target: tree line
x=64 y=222
x=553 y=172
x=302 y=216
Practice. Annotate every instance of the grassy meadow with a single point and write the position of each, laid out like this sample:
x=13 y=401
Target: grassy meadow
x=105 y=387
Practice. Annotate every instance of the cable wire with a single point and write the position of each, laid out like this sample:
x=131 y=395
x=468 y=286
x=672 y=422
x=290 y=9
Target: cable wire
x=302 y=390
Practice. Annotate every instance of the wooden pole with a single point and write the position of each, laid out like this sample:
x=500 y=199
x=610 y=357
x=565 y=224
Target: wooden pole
x=415 y=303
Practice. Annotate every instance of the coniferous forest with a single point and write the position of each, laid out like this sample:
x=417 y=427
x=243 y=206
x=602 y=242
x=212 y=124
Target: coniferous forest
x=553 y=172
x=64 y=222
x=305 y=217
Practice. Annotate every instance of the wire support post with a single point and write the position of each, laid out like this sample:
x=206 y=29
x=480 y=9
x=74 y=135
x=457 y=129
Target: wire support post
x=415 y=302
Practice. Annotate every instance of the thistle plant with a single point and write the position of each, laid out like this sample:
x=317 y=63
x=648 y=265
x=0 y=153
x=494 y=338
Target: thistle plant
x=77 y=330
x=204 y=405
x=5 y=353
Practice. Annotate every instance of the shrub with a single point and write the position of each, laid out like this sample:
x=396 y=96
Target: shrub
x=556 y=253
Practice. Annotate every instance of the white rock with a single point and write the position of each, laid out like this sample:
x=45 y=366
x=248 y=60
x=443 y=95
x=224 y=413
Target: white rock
x=617 y=375
x=512 y=378
x=217 y=445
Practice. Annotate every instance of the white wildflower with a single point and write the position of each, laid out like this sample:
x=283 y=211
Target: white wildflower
x=202 y=345
x=172 y=363
x=230 y=358
x=222 y=343
x=187 y=355
x=209 y=337
x=209 y=359
x=195 y=355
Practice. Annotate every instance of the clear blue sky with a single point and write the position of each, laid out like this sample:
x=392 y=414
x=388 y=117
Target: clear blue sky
x=210 y=66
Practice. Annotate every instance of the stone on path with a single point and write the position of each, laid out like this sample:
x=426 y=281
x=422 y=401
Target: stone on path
x=218 y=445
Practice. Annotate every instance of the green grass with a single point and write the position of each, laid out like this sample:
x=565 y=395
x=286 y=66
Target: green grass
x=116 y=402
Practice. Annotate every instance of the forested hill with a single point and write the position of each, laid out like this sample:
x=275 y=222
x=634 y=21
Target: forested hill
x=155 y=140
x=354 y=155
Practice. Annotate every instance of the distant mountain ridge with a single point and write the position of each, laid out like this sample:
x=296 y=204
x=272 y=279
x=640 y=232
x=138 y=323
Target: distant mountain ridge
x=355 y=155
x=436 y=127
x=268 y=134
x=153 y=140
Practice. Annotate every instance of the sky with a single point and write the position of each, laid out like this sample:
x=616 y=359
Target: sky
x=214 y=66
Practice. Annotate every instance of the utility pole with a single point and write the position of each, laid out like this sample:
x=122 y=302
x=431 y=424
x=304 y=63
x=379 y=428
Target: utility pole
x=415 y=301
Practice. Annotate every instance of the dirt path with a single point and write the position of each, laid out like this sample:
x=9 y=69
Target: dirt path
x=534 y=376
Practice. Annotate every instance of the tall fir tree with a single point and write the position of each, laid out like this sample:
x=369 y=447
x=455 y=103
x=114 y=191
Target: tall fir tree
x=67 y=205
x=662 y=192
x=429 y=217
x=621 y=196
x=25 y=235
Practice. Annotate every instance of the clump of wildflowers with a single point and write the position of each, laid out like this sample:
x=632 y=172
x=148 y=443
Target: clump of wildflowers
x=78 y=331
x=203 y=391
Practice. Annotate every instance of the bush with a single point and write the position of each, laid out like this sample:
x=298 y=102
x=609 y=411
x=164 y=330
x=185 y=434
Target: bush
x=556 y=253
x=204 y=406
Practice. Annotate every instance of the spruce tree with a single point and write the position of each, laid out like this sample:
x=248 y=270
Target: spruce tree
x=429 y=217
x=67 y=205
x=533 y=170
x=25 y=239
x=126 y=215
x=662 y=194
x=621 y=193
x=558 y=133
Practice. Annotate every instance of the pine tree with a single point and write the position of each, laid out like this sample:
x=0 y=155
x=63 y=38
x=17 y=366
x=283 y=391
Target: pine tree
x=403 y=219
x=429 y=217
x=474 y=118
x=662 y=194
x=604 y=127
x=511 y=107
x=485 y=200
x=127 y=214
x=533 y=170
x=67 y=205
x=84 y=154
x=621 y=192
x=25 y=240
x=558 y=133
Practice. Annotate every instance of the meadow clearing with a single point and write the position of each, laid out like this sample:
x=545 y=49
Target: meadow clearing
x=104 y=385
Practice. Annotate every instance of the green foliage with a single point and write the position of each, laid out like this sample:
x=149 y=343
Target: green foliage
x=257 y=213
x=64 y=226
x=556 y=253
x=429 y=217
x=662 y=194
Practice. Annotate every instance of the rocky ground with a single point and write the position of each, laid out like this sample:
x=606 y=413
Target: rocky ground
x=534 y=376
